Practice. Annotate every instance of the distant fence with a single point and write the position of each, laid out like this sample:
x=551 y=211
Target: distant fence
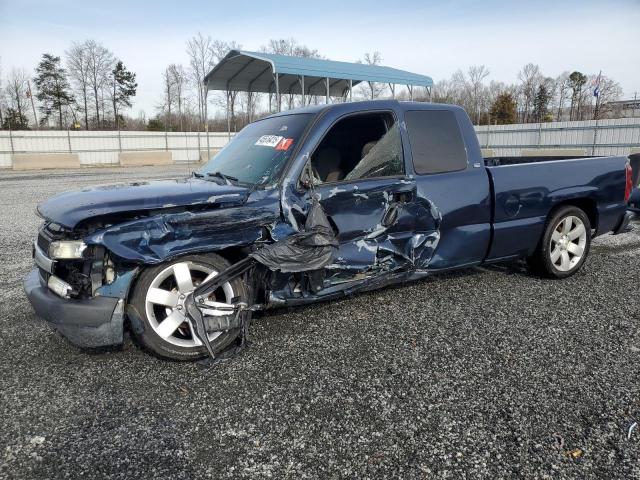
x=595 y=137
x=603 y=137
x=103 y=147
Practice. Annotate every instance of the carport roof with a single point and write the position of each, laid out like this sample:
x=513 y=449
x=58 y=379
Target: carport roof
x=255 y=72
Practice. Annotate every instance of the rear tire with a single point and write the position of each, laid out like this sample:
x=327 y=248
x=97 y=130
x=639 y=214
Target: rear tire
x=565 y=244
x=157 y=317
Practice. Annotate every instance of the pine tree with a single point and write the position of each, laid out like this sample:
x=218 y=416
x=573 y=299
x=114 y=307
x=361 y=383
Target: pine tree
x=503 y=110
x=15 y=120
x=541 y=103
x=123 y=88
x=53 y=87
x=576 y=82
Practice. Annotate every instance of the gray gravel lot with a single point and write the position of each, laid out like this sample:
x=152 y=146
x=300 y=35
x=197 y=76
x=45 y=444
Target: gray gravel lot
x=482 y=373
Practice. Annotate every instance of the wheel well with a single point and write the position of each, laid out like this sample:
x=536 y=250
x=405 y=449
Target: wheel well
x=587 y=205
x=233 y=254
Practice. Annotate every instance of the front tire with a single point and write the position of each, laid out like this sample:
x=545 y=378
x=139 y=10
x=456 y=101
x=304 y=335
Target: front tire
x=565 y=244
x=157 y=314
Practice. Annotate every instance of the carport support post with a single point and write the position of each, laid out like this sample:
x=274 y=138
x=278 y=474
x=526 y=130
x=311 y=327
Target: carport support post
x=206 y=121
x=410 y=92
x=327 y=100
x=278 y=91
x=304 y=97
x=350 y=90
x=228 y=117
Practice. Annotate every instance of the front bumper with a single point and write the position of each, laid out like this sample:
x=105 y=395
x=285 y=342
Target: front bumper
x=94 y=322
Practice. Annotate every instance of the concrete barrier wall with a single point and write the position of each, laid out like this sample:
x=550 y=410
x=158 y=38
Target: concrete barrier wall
x=138 y=159
x=44 y=161
x=487 y=152
x=206 y=156
x=96 y=148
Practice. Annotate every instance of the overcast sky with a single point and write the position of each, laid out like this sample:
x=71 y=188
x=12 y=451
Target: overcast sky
x=432 y=38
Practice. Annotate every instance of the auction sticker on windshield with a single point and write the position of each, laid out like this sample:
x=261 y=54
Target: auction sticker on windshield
x=268 y=140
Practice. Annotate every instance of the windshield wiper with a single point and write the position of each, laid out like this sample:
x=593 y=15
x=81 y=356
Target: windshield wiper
x=226 y=178
x=197 y=175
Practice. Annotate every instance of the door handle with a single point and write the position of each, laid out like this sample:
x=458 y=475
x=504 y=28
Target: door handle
x=403 y=197
x=390 y=216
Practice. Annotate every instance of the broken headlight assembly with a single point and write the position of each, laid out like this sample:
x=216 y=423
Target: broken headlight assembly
x=66 y=250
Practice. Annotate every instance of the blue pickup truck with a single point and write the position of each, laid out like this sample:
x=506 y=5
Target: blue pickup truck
x=308 y=205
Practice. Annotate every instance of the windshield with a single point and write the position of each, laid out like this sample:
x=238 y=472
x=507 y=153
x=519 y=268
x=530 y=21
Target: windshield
x=257 y=154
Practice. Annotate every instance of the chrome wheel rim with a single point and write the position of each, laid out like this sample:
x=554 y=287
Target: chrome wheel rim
x=568 y=241
x=164 y=302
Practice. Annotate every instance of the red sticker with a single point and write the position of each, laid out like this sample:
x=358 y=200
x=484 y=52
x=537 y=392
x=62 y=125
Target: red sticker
x=284 y=144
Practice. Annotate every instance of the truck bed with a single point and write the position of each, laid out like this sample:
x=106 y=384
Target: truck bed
x=498 y=161
x=525 y=189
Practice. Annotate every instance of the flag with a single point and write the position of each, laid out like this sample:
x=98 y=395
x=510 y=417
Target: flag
x=596 y=85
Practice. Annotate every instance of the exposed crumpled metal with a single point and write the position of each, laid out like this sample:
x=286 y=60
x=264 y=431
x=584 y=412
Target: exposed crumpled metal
x=308 y=250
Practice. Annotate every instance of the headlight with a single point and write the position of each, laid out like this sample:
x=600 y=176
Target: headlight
x=66 y=250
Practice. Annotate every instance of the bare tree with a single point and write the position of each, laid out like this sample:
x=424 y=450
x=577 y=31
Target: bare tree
x=375 y=89
x=100 y=61
x=476 y=75
x=169 y=99
x=177 y=77
x=608 y=91
x=2 y=101
x=444 y=92
x=78 y=67
x=291 y=47
x=17 y=89
x=562 y=87
x=220 y=49
x=530 y=78
x=201 y=60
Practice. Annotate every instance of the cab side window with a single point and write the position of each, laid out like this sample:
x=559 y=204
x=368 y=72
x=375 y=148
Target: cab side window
x=358 y=147
x=436 y=141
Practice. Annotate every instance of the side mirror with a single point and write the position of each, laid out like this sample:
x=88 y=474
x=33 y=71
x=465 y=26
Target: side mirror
x=306 y=178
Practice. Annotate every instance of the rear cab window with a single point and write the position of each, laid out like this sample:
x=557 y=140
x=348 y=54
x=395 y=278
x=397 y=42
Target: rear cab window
x=436 y=141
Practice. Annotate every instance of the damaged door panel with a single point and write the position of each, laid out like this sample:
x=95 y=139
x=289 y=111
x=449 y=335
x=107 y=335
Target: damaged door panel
x=382 y=225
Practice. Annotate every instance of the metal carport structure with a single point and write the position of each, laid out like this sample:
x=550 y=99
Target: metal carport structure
x=245 y=71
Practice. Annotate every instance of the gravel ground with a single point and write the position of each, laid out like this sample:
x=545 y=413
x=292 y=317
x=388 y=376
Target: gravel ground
x=482 y=373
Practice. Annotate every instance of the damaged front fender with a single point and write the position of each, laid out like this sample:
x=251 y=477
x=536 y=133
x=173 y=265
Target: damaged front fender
x=158 y=238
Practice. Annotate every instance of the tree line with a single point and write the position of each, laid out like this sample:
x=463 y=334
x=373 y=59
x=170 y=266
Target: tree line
x=90 y=88
x=87 y=88
x=534 y=98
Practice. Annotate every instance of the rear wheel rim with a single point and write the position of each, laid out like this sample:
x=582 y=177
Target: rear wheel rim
x=164 y=301
x=567 y=244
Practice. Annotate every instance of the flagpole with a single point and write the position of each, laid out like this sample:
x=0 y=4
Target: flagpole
x=596 y=93
x=33 y=105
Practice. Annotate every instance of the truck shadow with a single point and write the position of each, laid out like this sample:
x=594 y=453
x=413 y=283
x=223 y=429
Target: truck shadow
x=516 y=267
x=512 y=268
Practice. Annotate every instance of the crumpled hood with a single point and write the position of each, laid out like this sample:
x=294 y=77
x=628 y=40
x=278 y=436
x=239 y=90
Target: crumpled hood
x=71 y=208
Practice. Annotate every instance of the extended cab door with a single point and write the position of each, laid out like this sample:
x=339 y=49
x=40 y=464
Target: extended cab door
x=449 y=172
x=360 y=178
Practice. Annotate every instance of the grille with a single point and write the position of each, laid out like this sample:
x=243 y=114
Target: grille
x=44 y=242
x=46 y=236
